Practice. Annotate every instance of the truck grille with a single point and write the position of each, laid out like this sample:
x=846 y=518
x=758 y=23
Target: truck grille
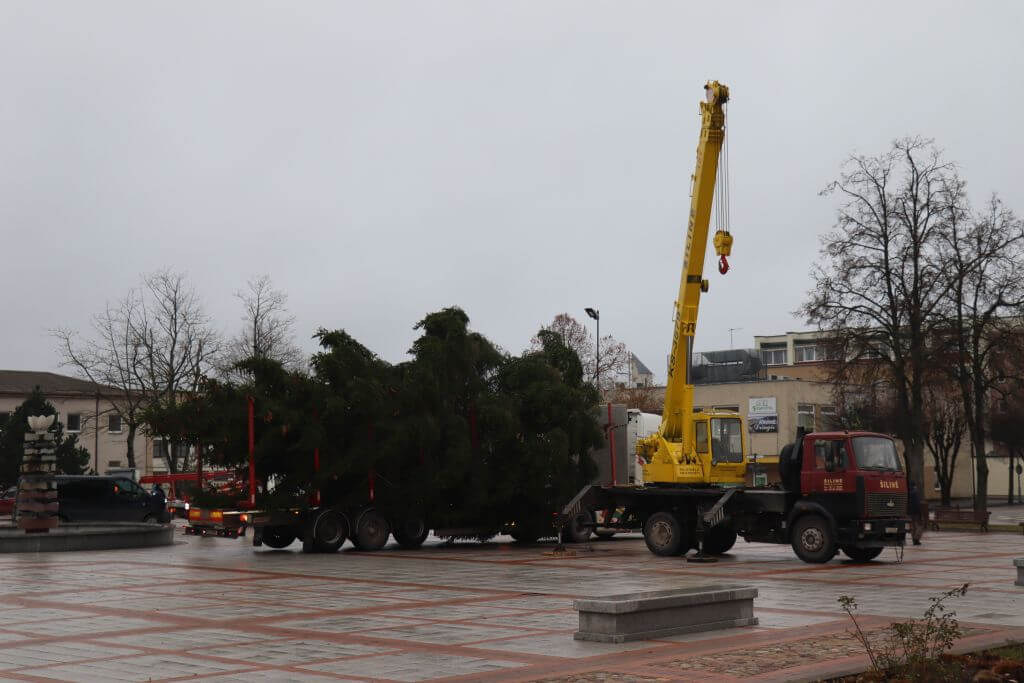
x=887 y=504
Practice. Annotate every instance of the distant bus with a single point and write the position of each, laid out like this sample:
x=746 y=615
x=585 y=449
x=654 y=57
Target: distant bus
x=181 y=488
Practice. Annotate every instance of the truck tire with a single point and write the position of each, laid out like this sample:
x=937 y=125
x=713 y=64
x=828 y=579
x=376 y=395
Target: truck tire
x=861 y=554
x=330 y=529
x=278 y=536
x=604 y=534
x=719 y=540
x=813 y=540
x=411 y=532
x=664 y=534
x=578 y=528
x=372 y=530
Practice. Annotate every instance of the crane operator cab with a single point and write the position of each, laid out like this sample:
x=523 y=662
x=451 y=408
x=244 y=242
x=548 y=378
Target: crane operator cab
x=716 y=455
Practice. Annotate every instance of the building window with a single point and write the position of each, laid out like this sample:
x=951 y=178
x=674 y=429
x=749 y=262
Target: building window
x=806 y=354
x=773 y=356
x=114 y=463
x=5 y=417
x=114 y=424
x=827 y=418
x=805 y=416
x=74 y=422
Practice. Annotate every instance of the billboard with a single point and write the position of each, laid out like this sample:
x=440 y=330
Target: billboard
x=762 y=416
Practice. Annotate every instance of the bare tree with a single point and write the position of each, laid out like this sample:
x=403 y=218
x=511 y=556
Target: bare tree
x=944 y=431
x=614 y=355
x=644 y=399
x=177 y=348
x=985 y=291
x=153 y=348
x=108 y=360
x=266 y=330
x=880 y=280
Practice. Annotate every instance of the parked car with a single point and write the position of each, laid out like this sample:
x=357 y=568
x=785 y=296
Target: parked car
x=7 y=500
x=107 y=499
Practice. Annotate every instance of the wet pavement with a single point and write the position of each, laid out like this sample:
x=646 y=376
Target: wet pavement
x=216 y=609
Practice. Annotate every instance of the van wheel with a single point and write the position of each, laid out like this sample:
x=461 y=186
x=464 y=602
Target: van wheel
x=278 y=536
x=411 y=532
x=372 y=530
x=330 y=529
x=861 y=554
x=719 y=540
x=812 y=539
x=663 y=534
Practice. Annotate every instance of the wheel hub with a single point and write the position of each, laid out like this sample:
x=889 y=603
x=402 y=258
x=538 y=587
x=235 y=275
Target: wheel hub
x=661 y=533
x=812 y=539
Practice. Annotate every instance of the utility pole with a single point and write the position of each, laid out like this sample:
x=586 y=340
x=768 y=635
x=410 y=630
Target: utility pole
x=596 y=315
x=731 y=330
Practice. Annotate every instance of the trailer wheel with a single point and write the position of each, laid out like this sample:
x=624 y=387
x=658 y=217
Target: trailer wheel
x=372 y=530
x=330 y=529
x=663 y=534
x=719 y=540
x=579 y=527
x=278 y=536
x=861 y=554
x=411 y=532
x=604 y=534
x=813 y=540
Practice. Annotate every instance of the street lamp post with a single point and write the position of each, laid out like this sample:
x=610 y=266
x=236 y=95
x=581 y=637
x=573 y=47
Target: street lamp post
x=596 y=315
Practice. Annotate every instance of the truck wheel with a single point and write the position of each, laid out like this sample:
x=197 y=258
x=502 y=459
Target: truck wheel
x=278 y=536
x=411 y=532
x=604 y=534
x=372 y=530
x=812 y=539
x=861 y=554
x=578 y=529
x=329 y=531
x=719 y=540
x=664 y=534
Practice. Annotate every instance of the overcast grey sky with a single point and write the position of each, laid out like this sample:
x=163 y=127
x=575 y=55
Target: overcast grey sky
x=381 y=160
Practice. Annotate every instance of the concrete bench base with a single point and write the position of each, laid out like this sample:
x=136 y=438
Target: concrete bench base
x=655 y=614
x=1019 y=564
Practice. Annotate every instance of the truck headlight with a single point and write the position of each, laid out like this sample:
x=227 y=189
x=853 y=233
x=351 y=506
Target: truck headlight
x=867 y=526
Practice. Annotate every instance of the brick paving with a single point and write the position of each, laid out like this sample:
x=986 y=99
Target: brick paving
x=217 y=610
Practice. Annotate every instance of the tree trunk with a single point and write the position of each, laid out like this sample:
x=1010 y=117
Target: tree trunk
x=981 y=469
x=130 y=453
x=1009 y=493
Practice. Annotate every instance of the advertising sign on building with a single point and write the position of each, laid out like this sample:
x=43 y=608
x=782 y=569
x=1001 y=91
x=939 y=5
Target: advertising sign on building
x=762 y=416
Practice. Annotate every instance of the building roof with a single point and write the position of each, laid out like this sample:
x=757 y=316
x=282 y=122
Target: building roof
x=641 y=369
x=22 y=382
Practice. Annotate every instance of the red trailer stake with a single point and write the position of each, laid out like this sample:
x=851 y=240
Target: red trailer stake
x=252 y=452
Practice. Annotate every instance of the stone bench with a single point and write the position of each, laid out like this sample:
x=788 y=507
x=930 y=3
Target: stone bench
x=1019 y=564
x=655 y=614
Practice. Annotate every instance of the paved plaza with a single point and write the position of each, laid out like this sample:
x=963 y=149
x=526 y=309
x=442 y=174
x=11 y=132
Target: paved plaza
x=218 y=610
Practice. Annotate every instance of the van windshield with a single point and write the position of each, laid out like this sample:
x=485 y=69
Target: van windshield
x=876 y=453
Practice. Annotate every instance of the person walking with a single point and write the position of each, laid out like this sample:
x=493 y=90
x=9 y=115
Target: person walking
x=914 y=511
x=158 y=491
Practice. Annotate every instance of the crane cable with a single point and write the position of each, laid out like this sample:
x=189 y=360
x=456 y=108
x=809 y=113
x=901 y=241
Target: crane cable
x=722 y=218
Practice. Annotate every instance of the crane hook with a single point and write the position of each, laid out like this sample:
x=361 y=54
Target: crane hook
x=723 y=265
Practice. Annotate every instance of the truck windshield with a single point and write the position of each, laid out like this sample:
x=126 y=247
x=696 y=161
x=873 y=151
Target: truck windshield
x=876 y=453
x=726 y=439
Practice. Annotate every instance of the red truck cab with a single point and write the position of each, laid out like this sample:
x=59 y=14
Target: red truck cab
x=851 y=494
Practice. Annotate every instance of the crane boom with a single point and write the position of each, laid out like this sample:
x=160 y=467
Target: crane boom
x=684 y=450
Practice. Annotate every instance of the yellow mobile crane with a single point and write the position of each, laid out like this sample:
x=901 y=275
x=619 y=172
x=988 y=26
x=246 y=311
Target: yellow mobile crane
x=703 y=447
